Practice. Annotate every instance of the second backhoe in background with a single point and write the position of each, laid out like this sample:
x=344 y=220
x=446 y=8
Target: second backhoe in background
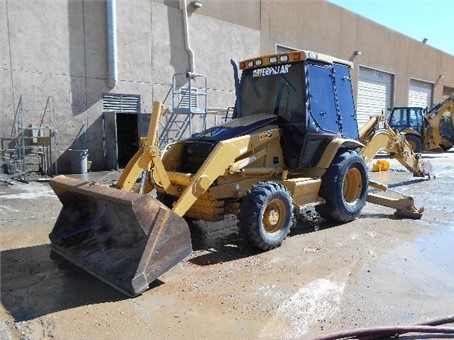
x=426 y=130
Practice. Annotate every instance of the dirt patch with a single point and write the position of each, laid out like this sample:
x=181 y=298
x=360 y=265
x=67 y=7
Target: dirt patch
x=375 y=270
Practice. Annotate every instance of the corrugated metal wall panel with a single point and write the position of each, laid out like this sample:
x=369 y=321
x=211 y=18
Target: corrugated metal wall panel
x=375 y=90
x=420 y=93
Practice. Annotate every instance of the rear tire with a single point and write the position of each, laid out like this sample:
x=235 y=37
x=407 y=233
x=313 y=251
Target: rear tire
x=415 y=142
x=266 y=215
x=445 y=147
x=344 y=187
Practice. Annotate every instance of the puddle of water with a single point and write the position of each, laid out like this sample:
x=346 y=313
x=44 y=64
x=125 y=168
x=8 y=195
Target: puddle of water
x=429 y=257
x=435 y=251
x=316 y=301
x=415 y=278
x=29 y=191
x=5 y=210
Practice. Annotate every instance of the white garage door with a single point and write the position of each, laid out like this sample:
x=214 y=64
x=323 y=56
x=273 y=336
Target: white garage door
x=420 y=93
x=375 y=89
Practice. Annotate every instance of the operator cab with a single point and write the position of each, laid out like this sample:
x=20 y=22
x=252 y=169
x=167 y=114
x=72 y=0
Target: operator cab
x=402 y=118
x=310 y=93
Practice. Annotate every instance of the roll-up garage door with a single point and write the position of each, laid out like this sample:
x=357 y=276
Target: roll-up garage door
x=420 y=93
x=375 y=90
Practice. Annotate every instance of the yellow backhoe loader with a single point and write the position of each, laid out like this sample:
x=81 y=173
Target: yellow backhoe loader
x=426 y=131
x=294 y=140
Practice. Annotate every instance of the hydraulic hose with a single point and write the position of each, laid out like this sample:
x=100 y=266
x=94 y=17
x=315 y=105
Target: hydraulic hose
x=428 y=327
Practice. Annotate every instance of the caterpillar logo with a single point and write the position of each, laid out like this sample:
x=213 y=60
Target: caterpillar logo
x=266 y=135
x=271 y=70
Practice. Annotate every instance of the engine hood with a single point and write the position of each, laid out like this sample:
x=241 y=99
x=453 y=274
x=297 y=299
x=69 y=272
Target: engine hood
x=235 y=128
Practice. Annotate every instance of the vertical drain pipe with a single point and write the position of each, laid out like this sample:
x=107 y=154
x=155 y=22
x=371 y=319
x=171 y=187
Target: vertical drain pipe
x=112 y=70
x=186 y=35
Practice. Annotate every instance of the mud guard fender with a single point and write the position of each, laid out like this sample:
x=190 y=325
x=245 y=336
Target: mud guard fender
x=333 y=147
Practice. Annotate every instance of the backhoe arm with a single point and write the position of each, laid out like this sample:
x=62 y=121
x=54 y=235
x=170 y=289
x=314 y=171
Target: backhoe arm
x=377 y=135
x=440 y=125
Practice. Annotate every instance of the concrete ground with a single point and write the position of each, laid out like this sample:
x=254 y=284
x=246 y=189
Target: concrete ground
x=376 y=270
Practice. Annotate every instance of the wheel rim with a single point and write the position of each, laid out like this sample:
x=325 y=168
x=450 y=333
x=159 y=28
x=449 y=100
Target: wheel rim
x=353 y=186
x=274 y=216
x=412 y=144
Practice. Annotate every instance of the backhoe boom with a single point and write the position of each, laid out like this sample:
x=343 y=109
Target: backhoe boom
x=439 y=131
x=377 y=135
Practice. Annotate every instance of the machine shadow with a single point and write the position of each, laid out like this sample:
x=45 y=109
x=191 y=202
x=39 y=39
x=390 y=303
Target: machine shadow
x=219 y=242
x=407 y=182
x=222 y=241
x=34 y=283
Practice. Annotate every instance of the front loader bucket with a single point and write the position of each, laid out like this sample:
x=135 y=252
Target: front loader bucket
x=125 y=239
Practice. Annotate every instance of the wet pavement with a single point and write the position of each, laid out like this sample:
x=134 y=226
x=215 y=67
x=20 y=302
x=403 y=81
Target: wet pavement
x=376 y=270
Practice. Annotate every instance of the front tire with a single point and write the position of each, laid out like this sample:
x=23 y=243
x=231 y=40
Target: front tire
x=266 y=215
x=344 y=187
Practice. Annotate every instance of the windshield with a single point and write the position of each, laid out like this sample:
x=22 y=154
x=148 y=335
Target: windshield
x=274 y=90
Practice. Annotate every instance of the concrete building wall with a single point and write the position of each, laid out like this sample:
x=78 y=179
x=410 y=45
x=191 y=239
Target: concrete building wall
x=324 y=27
x=6 y=86
x=214 y=43
x=58 y=48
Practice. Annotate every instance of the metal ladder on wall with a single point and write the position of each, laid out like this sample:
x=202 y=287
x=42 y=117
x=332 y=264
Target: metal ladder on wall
x=28 y=149
x=189 y=108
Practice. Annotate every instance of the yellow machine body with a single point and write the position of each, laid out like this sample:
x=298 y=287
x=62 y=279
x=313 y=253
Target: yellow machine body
x=127 y=238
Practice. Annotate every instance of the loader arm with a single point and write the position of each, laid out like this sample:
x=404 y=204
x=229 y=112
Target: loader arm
x=377 y=135
x=147 y=158
x=227 y=157
x=125 y=238
x=439 y=130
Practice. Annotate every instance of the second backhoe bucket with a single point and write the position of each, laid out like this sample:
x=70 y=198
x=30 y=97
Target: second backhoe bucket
x=125 y=239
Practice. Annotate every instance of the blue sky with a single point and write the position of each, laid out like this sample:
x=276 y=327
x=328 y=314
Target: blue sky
x=418 y=19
